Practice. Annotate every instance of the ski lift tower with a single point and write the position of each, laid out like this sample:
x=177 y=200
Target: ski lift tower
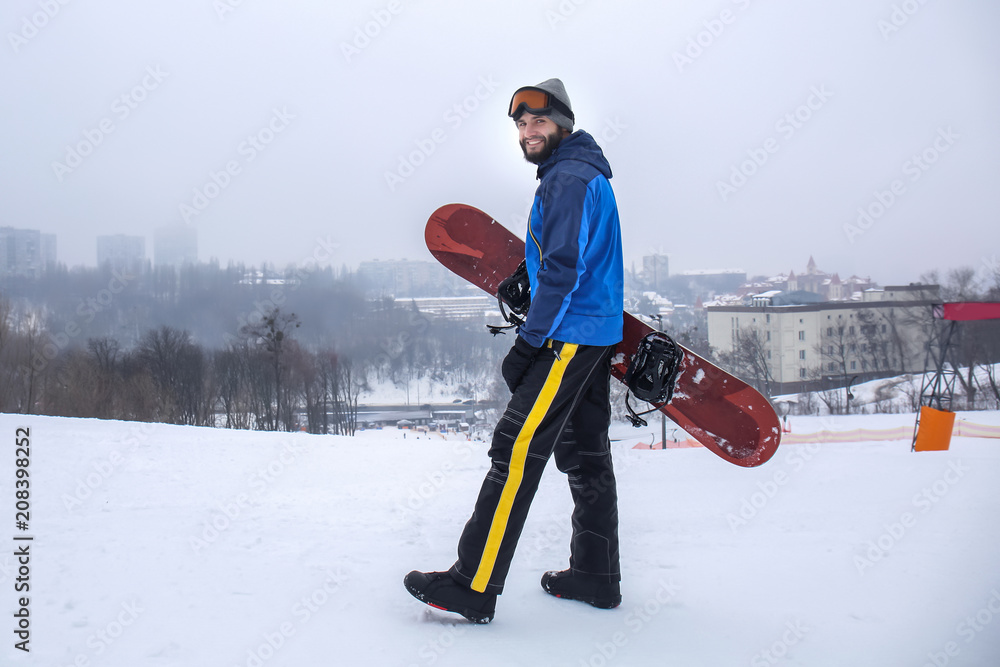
x=935 y=419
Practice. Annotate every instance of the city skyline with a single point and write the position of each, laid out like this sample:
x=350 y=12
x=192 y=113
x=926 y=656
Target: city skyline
x=655 y=260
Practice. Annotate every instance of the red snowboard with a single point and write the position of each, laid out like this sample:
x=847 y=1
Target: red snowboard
x=721 y=411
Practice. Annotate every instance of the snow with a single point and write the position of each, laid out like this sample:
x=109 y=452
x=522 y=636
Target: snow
x=168 y=545
x=415 y=391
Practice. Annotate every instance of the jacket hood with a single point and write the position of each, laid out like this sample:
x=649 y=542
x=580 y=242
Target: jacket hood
x=579 y=146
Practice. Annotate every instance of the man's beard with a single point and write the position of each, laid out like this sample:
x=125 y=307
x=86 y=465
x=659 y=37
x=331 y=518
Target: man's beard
x=551 y=144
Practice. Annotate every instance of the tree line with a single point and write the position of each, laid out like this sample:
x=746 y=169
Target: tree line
x=260 y=353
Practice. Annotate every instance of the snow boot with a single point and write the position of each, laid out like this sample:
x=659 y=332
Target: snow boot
x=596 y=591
x=440 y=591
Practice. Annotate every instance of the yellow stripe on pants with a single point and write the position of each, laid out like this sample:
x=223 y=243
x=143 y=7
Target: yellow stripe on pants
x=516 y=467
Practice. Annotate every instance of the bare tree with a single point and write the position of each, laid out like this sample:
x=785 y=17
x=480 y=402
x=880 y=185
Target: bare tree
x=345 y=388
x=749 y=360
x=33 y=361
x=962 y=284
x=233 y=378
x=105 y=358
x=273 y=334
x=838 y=352
x=176 y=367
x=874 y=344
x=8 y=363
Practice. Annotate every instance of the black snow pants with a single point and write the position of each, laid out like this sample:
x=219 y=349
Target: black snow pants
x=562 y=406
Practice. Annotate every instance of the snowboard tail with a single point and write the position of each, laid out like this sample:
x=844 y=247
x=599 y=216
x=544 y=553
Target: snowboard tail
x=723 y=413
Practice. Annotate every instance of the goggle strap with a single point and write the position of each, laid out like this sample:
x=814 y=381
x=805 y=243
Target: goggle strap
x=551 y=102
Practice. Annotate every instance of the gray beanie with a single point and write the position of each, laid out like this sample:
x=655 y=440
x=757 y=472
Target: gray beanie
x=559 y=110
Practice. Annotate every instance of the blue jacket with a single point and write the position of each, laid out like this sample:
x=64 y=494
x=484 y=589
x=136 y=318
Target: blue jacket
x=573 y=249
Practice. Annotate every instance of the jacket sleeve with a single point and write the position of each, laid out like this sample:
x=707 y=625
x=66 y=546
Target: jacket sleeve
x=564 y=233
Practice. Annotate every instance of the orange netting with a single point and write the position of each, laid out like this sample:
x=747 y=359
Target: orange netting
x=963 y=429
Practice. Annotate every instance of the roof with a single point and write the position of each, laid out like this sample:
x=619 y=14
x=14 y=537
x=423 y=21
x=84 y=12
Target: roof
x=824 y=305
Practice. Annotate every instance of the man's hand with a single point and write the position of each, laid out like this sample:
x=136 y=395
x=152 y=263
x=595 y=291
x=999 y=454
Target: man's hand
x=517 y=362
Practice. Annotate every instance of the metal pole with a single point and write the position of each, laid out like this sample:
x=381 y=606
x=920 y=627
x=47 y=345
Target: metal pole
x=663 y=417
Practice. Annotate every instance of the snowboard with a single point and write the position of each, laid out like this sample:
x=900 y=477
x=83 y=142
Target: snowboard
x=723 y=413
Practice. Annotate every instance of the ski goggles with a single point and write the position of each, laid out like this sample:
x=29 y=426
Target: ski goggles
x=536 y=101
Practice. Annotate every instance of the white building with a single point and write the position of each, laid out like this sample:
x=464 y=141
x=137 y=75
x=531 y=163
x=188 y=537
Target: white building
x=25 y=252
x=796 y=347
x=455 y=307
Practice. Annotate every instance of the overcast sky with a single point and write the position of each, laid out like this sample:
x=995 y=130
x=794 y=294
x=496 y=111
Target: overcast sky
x=742 y=133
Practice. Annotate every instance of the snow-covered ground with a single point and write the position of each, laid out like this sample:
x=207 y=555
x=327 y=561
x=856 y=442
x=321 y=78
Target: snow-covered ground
x=417 y=391
x=165 y=545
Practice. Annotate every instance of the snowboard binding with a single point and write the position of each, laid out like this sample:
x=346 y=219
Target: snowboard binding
x=652 y=373
x=514 y=292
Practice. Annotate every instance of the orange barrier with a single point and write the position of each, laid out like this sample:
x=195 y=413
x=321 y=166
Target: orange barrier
x=934 y=430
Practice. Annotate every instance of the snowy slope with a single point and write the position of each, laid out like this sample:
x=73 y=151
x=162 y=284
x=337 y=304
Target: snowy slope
x=165 y=545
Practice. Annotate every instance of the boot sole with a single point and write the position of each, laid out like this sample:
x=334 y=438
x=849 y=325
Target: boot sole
x=468 y=614
x=593 y=602
x=599 y=603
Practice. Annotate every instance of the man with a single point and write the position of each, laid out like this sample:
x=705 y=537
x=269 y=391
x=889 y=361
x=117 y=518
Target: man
x=558 y=371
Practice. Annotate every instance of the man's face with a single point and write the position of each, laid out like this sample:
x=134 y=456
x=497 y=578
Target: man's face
x=539 y=136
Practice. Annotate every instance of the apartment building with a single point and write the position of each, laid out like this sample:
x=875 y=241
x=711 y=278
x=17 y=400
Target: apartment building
x=787 y=347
